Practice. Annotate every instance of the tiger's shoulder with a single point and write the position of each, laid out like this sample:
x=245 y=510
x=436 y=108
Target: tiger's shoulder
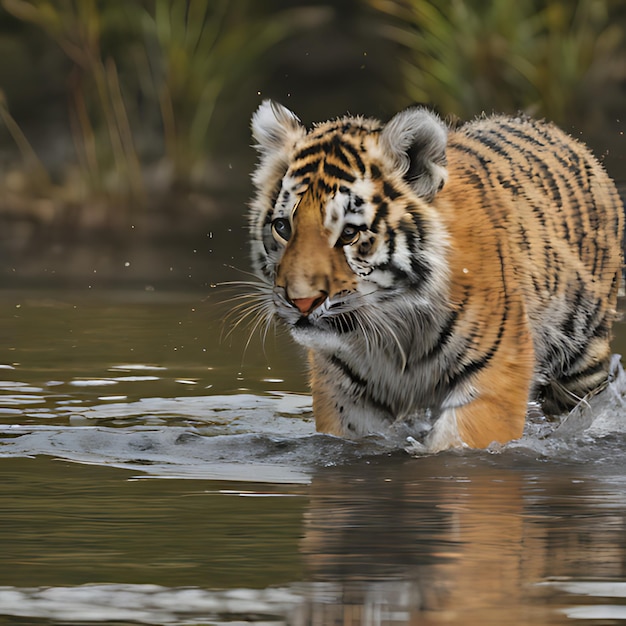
x=545 y=188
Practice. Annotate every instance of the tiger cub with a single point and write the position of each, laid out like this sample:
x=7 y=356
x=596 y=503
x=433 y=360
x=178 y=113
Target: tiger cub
x=440 y=277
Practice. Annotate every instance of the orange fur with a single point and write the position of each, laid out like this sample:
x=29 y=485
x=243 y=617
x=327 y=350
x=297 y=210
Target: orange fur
x=438 y=274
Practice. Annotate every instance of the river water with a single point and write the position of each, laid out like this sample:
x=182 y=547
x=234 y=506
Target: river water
x=156 y=470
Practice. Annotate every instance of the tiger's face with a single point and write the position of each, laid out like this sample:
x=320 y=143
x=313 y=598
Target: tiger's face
x=343 y=220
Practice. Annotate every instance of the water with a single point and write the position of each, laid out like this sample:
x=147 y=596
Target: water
x=152 y=474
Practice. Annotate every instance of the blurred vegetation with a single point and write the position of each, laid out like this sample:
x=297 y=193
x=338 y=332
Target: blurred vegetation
x=119 y=109
x=550 y=58
x=143 y=80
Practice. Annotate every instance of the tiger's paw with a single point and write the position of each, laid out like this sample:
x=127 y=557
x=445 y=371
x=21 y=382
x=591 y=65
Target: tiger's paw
x=414 y=447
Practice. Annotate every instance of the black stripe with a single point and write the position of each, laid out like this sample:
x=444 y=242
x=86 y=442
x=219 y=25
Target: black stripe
x=446 y=331
x=382 y=211
x=391 y=240
x=415 y=240
x=515 y=188
x=375 y=172
x=590 y=370
x=602 y=327
x=537 y=209
x=474 y=180
x=568 y=327
x=330 y=169
x=484 y=161
x=516 y=131
x=389 y=266
x=574 y=163
x=495 y=146
x=340 y=154
x=445 y=334
x=549 y=182
x=525 y=242
x=549 y=254
x=307 y=168
x=362 y=384
x=310 y=150
x=550 y=185
x=475 y=365
x=540 y=215
x=417 y=220
x=324 y=188
x=390 y=191
x=355 y=155
x=421 y=271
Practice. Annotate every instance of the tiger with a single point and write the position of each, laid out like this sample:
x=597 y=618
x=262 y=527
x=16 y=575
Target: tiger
x=441 y=276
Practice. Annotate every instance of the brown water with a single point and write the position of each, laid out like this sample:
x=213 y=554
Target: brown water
x=152 y=474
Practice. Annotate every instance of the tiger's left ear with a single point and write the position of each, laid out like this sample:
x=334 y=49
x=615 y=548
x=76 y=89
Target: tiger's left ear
x=416 y=139
x=276 y=130
x=275 y=127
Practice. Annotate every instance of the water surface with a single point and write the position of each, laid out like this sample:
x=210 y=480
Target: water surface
x=153 y=474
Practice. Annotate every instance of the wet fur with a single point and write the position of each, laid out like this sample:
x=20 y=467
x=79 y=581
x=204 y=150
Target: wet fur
x=484 y=275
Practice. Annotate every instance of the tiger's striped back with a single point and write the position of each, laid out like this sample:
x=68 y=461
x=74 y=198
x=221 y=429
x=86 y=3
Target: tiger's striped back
x=563 y=222
x=440 y=278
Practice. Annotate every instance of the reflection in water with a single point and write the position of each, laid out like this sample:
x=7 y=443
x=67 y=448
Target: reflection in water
x=466 y=538
x=456 y=538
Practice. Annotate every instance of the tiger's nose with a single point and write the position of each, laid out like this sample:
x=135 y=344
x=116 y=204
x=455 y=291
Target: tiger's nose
x=307 y=305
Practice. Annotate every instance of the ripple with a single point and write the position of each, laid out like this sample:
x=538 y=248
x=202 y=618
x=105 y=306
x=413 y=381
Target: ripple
x=93 y=382
x=131 y=367
x=135 y=379
x=596 y=611
x=177 y=452
x=19 y=400
x=612 y=589
x=147 y=604
x=14 y=385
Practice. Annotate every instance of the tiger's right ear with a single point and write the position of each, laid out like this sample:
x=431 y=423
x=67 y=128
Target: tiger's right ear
x=416 y=140
x=275 y=128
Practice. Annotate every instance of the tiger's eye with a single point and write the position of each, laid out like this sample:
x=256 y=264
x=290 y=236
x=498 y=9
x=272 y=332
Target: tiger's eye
x=349 y=235
x=281 y=229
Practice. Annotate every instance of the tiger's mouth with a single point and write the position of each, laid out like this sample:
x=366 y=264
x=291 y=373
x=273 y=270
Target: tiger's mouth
x=304 y=323
x=340 y=323
x=338 y=315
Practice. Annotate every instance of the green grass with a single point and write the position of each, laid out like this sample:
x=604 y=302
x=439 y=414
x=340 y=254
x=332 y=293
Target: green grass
x=145 y=78
x=468 y=56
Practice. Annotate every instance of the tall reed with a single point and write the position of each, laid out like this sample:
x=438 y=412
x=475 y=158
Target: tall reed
x=546 y=57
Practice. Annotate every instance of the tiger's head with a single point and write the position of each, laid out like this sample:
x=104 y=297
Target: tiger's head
x=343 y=225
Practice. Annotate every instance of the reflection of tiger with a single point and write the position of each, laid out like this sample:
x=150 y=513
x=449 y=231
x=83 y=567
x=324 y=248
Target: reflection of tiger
x=445 y=275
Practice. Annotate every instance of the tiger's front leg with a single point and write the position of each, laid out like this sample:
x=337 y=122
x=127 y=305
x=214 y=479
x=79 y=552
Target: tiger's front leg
x=490 y=418
x=489 y=405
x=497 y=400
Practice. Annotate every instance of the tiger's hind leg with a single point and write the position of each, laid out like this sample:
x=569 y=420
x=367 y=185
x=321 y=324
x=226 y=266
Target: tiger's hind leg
x=577 y=365
x=587 y=376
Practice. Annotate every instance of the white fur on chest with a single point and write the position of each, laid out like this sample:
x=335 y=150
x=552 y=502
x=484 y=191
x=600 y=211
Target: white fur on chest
x=378 y=389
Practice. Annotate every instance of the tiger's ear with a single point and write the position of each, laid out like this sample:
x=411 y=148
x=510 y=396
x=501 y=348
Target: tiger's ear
x=274 y=127
x=416 y=140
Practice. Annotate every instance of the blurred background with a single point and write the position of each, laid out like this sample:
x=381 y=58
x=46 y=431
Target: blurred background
x=124 y=124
